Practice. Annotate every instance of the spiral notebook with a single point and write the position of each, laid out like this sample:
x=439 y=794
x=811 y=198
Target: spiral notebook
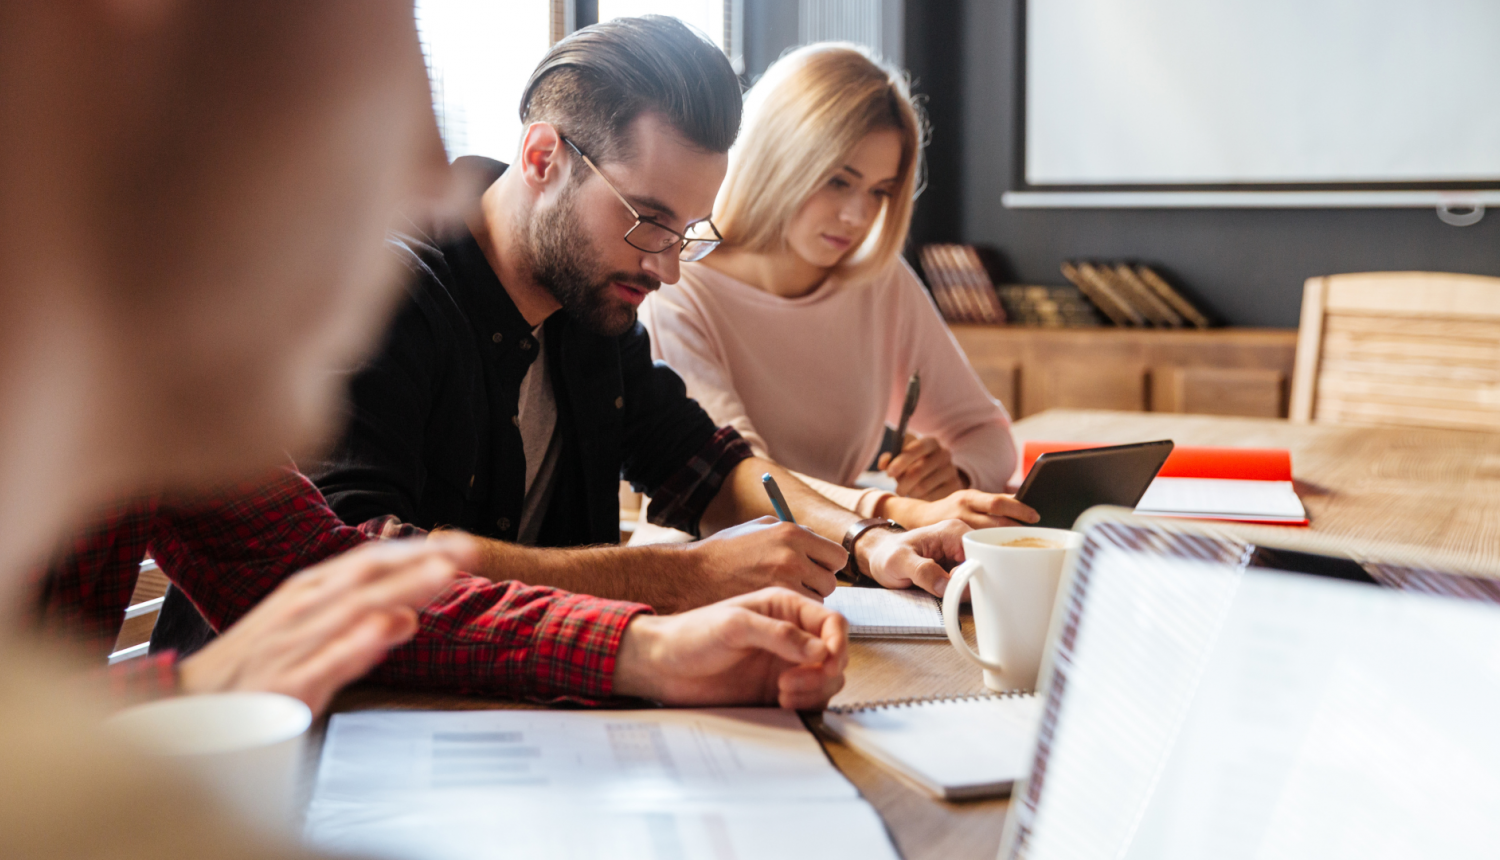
x=909 y=613
x=953 y=748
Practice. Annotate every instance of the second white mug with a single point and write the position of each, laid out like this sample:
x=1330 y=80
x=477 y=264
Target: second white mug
x=1012 y=575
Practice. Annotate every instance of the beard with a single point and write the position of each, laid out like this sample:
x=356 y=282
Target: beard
x=563 y=261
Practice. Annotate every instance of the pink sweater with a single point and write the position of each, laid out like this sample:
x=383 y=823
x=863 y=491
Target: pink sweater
x=811 y=382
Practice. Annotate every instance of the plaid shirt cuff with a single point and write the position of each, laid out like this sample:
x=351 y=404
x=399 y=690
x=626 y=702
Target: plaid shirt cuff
x=517 y=640
x=144 y=678
x=683 y=497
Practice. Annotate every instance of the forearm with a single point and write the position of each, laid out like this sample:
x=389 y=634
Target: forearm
x=865 y=502
x=742 y=498
x=668 y=578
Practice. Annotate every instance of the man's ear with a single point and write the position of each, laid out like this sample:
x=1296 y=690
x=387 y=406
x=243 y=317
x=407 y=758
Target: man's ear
x=544 y=157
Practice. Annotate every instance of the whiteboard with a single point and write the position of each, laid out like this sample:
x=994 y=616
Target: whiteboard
x=1220 y=92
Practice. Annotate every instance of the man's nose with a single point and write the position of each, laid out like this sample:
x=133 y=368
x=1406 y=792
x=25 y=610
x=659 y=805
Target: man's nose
x=665 y=266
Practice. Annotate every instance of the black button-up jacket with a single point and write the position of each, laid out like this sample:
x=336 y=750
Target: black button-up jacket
x=432 y=434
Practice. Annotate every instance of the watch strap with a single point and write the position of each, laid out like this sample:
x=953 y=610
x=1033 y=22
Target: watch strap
x=856 y=531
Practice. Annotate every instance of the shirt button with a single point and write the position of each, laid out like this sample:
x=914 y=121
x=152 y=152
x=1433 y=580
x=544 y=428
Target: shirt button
x=516 y=420
x=497 y=337
x=503 y=524
x=619 y=402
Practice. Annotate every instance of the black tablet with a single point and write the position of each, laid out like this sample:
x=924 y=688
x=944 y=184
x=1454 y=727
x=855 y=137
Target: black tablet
x=1063 y=484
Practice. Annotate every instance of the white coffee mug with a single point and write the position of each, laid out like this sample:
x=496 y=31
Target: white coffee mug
x=246 y=748
x=1012 y=589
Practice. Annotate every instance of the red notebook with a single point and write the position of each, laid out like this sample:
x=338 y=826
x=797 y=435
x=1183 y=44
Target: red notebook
x=1252 y=485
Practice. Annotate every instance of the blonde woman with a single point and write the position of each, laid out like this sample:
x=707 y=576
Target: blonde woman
x=802 y=329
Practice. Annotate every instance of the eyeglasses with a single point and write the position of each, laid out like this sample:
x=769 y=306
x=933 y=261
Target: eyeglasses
x=650 y=235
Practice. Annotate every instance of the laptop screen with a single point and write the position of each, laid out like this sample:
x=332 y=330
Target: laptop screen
x=1211 y=698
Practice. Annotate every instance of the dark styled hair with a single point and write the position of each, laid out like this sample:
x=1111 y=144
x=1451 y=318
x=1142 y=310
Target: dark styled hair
x=597 y=81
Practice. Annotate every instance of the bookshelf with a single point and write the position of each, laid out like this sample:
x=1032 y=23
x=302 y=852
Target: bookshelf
x=1227 y=371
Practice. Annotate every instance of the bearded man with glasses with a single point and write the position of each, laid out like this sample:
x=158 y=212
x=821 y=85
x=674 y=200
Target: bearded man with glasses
x=516 y=388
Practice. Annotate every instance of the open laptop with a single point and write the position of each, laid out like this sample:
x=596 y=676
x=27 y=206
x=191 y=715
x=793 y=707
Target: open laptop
x=1286 y=695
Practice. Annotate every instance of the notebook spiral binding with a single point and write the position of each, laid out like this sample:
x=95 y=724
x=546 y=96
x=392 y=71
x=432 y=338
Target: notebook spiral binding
x=880 y=704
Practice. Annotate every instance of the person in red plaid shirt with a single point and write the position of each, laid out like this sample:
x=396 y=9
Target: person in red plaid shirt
x=229 y=551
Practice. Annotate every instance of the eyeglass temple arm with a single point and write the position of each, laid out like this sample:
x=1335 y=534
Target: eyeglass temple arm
x=598 y=173
x=633 y=211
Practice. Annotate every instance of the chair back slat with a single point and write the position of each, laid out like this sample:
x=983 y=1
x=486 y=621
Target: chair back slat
x=1402 y=348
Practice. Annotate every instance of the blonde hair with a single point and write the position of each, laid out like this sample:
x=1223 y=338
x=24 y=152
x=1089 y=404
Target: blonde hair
x=803 y=120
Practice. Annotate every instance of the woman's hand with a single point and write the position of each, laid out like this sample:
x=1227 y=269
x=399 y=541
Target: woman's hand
x=923 y=469
x=974 y=508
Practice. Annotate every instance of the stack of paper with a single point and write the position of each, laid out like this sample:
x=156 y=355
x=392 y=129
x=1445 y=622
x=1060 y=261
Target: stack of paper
x=1239 y=484
x=909 y=613
x=739 y=782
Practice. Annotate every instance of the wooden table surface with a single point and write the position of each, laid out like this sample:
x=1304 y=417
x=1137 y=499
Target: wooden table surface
x=1436 y=489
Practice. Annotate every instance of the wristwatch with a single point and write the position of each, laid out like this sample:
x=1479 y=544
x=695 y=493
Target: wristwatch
x=857 y=531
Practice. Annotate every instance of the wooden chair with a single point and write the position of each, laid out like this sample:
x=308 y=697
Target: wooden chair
x=1403 y=348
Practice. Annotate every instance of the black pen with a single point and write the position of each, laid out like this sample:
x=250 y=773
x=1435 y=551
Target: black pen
x=778 y=501
x=913 y=394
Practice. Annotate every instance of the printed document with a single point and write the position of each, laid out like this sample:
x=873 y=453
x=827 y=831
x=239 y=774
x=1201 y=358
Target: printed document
x=665 y=784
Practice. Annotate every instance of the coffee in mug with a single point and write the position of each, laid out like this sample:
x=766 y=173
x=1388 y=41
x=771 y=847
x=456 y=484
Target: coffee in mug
x=1034 y=543
x=1012 y=575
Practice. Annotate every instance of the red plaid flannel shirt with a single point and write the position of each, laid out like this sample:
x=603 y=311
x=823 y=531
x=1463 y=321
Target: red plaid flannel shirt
x=228 y=553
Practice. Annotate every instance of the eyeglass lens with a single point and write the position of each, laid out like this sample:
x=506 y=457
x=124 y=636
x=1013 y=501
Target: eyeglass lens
x=654 y=239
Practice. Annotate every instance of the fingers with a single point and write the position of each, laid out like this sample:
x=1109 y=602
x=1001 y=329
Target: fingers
x=823 y=552
x=810 y=616
x=936 y=479
x=916 y=449
x=408 y=587
x=350 y=655
x=975 y=520
x=808 y=688
x=780 y=638
x=998 y=505
x=930 y=577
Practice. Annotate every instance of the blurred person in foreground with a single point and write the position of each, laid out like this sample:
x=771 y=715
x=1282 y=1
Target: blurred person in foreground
x=516 y=388
x=193 y=202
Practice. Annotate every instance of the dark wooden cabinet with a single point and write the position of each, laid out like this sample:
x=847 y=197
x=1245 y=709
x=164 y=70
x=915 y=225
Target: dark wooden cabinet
x=1232 y=371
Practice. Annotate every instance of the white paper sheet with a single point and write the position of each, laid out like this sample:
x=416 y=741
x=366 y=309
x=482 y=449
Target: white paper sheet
x=1223 y=499
x=909 y=613
x=730 y=783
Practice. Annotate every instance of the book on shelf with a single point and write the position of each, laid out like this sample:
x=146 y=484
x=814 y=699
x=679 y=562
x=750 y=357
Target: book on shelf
x=1102 y=295
x=960 y=284
x=1048 y=307
x=1178 y=302
x=1133 y=295
x=1130 y=285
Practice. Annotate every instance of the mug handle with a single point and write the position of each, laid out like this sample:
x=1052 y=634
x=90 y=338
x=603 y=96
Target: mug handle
x=951 y=596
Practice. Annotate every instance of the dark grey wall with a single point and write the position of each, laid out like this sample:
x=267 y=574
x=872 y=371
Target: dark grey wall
x=1246 y=265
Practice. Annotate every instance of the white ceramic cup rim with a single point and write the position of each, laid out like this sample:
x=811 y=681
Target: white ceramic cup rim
x=994 y=538
x=213 y=723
